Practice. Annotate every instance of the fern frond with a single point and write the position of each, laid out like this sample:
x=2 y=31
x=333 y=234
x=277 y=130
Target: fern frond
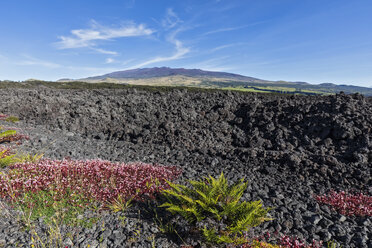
x=194 y=215
x=201 y=186
x=174 y=208
x=253 y=215
x=215 y=212
x=187 y=199
x=236 y=191
x=230 y=209
x=176 y=187
x=202 y=204
x=211 y=236
x=202 y=195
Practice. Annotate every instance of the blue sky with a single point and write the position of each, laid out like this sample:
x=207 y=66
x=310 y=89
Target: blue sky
x=297 y=40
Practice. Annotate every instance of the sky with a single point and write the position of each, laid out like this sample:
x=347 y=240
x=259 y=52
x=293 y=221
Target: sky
x=313 y=41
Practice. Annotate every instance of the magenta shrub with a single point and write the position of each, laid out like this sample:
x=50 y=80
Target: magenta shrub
x=293 y=242
x=14 y=137
x=283 y=242
x=98 y=180
x=348 y=204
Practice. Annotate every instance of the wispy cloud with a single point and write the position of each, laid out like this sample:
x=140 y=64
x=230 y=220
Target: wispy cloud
x=126 y=62
x=37 y=62
x=103 y=51
x=171 y=19
x=232 y=28
x=224 y=30
x=180 y=51
x=227 y=46
x=80 y=38
x=214 y=64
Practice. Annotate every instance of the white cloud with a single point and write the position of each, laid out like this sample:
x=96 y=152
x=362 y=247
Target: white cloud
x=171 y=19
x=87 y=37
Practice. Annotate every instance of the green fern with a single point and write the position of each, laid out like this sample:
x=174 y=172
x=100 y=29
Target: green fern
x=215 y=199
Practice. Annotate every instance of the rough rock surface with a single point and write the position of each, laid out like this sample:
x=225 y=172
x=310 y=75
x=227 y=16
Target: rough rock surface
x=287 y=147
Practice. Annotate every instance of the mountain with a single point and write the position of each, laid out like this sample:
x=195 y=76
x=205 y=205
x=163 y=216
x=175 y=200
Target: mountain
x=165 y=76
x=166 y=72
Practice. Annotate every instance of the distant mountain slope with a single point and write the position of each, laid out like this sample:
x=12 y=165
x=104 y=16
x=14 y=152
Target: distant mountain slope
x=165 y=76
x=166 y=71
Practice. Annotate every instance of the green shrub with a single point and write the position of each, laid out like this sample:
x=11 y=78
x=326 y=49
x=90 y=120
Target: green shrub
x=217 y=202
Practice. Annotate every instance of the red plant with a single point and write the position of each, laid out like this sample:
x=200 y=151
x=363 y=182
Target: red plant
x=348 y=204
x=3 y=117
x=98 y=180
x=284 y=242
x=293 y=242
x=14 y=137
